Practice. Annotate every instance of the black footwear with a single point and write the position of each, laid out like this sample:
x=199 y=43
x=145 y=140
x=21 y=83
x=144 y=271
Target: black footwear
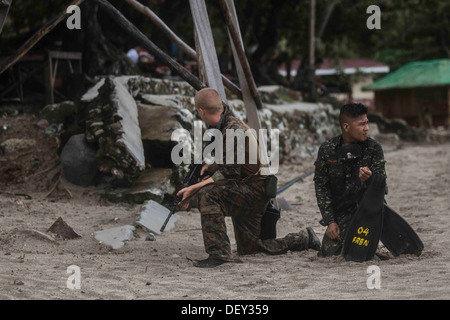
x=209 y=262
x=313 y=241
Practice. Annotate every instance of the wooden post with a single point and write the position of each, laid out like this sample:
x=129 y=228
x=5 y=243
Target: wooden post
x=248 y=86
x=236 y=39
x=11 y=60
x=199 y=59
x=4 y=13
x=206 y=46
x=312 y=34
x=326 y=16
x=312 y=58
x=249 y=101
x=139 y=37
x=183 y=46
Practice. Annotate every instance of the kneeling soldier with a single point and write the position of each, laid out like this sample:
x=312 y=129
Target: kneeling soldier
x=235 y=190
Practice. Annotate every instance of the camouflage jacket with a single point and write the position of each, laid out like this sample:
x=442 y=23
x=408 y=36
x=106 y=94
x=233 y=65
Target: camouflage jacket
x=237 y=168
x=337 y=185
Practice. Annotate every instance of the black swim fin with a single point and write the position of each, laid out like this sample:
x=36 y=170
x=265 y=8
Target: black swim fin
x=363 y=234
x=398 y=236
x=269 y=222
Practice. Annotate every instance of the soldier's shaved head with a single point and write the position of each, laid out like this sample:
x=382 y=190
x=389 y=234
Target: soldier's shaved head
x=209 y=100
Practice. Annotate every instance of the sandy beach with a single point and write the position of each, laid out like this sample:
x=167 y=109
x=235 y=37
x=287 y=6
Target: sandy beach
x=34 y=267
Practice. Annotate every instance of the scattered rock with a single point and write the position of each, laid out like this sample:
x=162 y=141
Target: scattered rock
x=387 y=138
x=439 y=135
x=62 y=230
x=43 y=123
x=15 y=144
x=78 y=161
x=115 y=237
x=57 y=113
x=150 y=237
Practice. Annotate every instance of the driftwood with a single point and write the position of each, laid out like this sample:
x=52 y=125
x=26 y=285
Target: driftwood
x=59 y=181
x=16 y=194
x=236 y=40
x=206 y=46
x=180 y=43
x=247 y=97
x=139 y=37
x=11 y=60
x=4 y=8
x=201 y=67
x=250 y=94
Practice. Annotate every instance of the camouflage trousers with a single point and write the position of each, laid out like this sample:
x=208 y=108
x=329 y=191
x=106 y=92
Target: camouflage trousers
x=245 y=203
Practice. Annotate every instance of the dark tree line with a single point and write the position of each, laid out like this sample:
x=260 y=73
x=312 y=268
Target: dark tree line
x=274 y=32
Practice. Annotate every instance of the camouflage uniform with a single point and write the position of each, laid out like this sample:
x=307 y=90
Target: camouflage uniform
x=244 y=201
x=338 y=187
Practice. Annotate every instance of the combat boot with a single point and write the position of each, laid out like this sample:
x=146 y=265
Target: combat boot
x=211 y=262
x=297 y=241
x=313 y=240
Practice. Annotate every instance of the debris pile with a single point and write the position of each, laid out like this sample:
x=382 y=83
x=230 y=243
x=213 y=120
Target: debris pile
x=112 y=125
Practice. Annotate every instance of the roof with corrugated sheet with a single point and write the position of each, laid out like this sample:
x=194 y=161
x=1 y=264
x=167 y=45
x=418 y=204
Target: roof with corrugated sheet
x=417 y=74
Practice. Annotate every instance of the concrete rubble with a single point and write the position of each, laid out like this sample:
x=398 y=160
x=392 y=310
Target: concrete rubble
x=112 y=124
x=152 y=217
x=60 y=229
x=78 y=161
x=149 y=110
x=130 y=120
x=116 y=237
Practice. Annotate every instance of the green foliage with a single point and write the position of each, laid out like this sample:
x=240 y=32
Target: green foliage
x=27 y=15
x=410 y=29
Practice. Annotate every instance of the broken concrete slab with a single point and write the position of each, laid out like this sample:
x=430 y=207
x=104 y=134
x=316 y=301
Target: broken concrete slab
x=127 y=110
x=153 y=215
x=153 y=184
x=290 y=108
x=57 y=113
x=139 y=85
x=157 y=122
x=112 y=124
x=115 y=237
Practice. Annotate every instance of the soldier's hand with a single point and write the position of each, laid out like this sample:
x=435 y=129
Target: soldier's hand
x=203 y=171
x=333 y=232
x=184 y=205
x=364 y=174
